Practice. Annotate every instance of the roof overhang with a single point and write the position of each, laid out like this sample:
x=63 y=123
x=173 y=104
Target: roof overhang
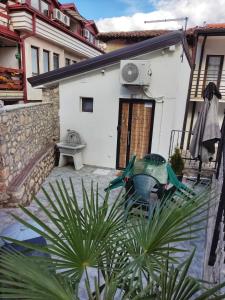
x=110 y=58
x=210 y=31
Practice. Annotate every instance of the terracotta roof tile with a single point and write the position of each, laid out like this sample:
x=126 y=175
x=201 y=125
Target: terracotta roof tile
x=131 y=34
x=143 y=34
x=215 y=26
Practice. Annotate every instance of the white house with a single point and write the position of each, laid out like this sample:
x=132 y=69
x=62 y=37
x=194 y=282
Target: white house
x=124 y=102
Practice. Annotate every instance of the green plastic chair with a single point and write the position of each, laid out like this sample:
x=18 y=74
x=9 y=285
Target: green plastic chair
x=120 y=181
x=180 y=186
x=156 y=160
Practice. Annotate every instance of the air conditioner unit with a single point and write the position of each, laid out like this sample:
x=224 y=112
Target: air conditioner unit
x=66 y=20
x=86 y=33
x=135 y=72
x=57 y=15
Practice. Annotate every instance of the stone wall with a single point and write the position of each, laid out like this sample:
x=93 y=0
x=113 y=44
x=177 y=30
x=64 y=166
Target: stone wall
x=27 y=133
x=52 y=95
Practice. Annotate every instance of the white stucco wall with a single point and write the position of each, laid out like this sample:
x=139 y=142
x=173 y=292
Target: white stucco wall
x=99 y=129
x=8 y=58
x=36 y=94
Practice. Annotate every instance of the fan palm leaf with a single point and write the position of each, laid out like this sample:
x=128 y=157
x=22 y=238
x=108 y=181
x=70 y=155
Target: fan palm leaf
x=128 y=253
x=24 y=278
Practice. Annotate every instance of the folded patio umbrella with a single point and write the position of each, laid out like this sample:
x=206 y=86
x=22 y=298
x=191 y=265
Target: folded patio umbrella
x=206 y=130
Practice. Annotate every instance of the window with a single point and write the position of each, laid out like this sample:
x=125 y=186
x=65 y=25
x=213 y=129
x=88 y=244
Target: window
x=46 y=65
x=213 y=69
x=91 y=39
x=44 y=8
x=35 y=60
x=67 y=62
x=55 y=61
x=74 y=61
x=35 y=4
x=40 y=5
x=87 y=104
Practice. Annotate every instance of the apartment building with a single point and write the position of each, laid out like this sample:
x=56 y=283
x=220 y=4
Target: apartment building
x=38 y=36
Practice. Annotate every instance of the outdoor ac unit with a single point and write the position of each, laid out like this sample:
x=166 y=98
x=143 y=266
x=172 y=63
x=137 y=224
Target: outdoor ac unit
x=57 y=14
x=135 y=72
x=86 y=33
x=66 y=20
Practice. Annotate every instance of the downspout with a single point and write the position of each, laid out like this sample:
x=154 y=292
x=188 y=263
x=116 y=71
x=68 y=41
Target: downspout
x=189 y=88
x=23 y=54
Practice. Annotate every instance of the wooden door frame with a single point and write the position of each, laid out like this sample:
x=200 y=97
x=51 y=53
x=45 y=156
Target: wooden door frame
x=130 y=101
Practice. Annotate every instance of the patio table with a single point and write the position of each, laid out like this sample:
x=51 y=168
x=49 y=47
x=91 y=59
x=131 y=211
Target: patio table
x=158 y=171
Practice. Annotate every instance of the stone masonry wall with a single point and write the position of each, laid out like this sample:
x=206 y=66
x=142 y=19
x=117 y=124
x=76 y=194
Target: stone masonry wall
x=52 y=95
x=27 y=133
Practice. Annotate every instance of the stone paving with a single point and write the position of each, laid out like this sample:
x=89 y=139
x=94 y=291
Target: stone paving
x=87 y=174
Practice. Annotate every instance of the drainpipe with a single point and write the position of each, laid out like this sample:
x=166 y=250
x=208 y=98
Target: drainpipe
x=23 y=54
x=194 y=50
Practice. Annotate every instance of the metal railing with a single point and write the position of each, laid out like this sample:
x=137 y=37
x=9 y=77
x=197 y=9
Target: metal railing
x=199 y=81
x=181 y=139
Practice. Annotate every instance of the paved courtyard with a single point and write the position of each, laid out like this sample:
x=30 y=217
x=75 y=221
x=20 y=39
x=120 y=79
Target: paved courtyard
x=102 y=177
x=87 y=174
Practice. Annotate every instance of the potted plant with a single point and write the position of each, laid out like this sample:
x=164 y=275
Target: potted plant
x=177 y=163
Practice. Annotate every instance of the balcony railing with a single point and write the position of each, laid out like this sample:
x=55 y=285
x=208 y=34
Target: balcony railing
x=199 y=82
x=181 y=139
x=11 y=79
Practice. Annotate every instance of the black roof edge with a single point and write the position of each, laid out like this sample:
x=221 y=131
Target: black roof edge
x=210 y=31
x=143 y=47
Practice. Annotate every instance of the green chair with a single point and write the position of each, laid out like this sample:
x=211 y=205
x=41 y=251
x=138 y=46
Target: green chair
x=139 y=192
x=120 y=181
x=180 y=186
x=156 y=166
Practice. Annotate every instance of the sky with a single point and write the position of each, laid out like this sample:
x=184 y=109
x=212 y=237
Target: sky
x=125 y=15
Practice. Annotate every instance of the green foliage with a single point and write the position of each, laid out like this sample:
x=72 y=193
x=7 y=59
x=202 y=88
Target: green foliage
x=136 y=255
x=25 y=277
x=177 y=162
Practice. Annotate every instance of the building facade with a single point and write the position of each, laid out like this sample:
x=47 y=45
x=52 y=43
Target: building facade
x=208 y=65
x=116 y=118
x=38 y=36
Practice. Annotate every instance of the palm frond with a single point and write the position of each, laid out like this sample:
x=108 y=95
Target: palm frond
x=135 y=255
x=22 y=277
x=77 y=237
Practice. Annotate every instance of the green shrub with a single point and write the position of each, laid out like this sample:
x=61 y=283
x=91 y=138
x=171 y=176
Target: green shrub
x=177 y=162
